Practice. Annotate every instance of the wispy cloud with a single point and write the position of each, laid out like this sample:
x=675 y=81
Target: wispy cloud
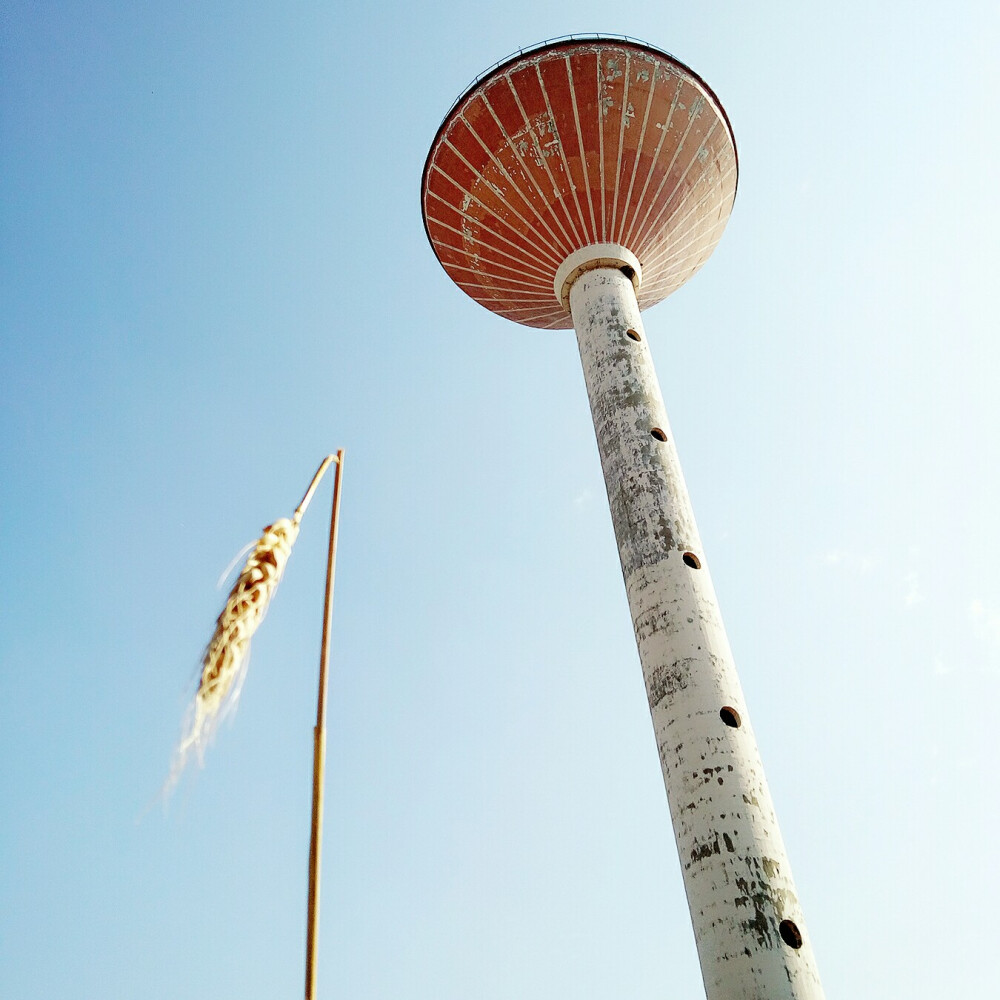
x=985 y=620
x=582 y=498
x=852 y=562
x=914 y=595
x=941 y=668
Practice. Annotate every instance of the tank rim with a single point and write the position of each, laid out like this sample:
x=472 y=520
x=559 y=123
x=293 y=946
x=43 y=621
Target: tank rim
x=565 y=41
x=552 y=45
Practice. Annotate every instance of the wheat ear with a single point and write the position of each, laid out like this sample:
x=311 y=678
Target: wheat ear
x=225 y=658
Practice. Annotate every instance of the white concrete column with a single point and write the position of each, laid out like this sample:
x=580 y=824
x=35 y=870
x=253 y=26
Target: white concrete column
x=751 y=935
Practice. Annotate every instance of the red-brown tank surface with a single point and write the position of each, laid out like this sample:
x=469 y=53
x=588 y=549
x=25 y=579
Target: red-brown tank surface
x=575 y=143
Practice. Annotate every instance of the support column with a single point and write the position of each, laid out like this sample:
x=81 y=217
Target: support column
x=751 y=936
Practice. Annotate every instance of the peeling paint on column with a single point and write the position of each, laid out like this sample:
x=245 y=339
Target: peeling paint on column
x=736 y=874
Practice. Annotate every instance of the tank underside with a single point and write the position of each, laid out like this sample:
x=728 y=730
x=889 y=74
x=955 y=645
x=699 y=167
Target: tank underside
x=577 y=143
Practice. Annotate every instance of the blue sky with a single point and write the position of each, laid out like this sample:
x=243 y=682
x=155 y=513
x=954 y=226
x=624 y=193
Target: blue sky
x=214 y=272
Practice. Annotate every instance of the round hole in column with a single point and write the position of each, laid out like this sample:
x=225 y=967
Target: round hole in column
x=730 y=717
x=790 y=934
x=628 y=271
x=659 y=434
x=690 y=559
x=633 y=335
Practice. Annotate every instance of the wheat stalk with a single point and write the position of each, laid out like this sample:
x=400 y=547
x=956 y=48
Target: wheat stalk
x=225 y=658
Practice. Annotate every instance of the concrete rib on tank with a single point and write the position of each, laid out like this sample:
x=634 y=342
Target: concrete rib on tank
x=574 y=144
x=574 y=185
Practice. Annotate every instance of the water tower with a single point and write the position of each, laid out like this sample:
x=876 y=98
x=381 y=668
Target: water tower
x=574 y=185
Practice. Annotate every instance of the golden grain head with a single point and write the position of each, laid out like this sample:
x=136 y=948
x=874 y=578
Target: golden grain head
x=225 y=657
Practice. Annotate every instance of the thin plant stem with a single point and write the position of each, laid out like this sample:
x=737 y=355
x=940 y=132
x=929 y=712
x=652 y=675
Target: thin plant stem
x=319 y=733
